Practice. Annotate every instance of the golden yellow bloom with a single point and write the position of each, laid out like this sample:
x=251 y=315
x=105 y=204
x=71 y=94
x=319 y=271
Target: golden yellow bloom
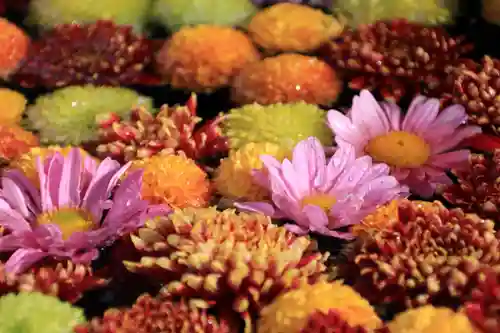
x=289 y=312
x=174 y=180
x=11 y=107
x=27 y=162
x=428 y=319
x=233 y=178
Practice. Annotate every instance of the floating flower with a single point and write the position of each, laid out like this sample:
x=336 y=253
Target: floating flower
x=205 y=58
x=290 y=312
x=50 y=13
x=15 y=45
x=68 y=116
x=474 y=86
x=323 y=196
x=419 y=147
x=37 y=313
x=234 y=176
x=173 y=129
x=421 y=11
x=482 y=307
x=292 y=27
x=431 y=256
x=330 y=321
x=174 y=180
x=72 y=213
x=286 y=78
x=97 y=53
x=15 y=141
x=258 y=124
x=12 y=106
x=396 y=58
x=477 y=189
x=150 y=315
x=27 y=163
x=428 y=319
x=175 y=14
x=224 y=258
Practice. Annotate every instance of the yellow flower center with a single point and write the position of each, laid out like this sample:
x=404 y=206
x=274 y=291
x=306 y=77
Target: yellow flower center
x=69 y=220
x=323 y=201
x=399 y=149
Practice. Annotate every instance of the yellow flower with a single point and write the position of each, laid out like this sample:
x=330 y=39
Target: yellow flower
x=234 y=179
x=12 y=106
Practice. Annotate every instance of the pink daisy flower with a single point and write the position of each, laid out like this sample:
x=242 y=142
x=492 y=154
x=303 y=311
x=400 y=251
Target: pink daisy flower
x=322 y=196
x=80 y=206
x=419 y=147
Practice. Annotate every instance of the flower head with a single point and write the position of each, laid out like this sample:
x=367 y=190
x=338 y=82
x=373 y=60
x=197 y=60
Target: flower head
x=37 y=313
x=205 y=58
x=97 y=53
x=419 y=147
x=174 y=180
x=15 y=141
x=12 y=107
x=256 y=123
x=428 y=319
x=292 y=27
x=286 y=78
x=290 y=312
x=15 y=45
x=173 y=129
x=234 y=177
x=68 y=116
x=27 y=162
x=330 y=321
x=221 y=257
x=150 y=315
x=432 y=255
x=322 y=196
x=80 y=206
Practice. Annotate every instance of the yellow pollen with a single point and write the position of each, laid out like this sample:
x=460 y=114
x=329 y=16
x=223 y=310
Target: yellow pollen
x=399 y=149
x=69 y=220
x=323 y=201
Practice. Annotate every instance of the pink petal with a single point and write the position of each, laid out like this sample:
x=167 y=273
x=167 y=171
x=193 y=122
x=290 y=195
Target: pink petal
x=421 y=115
x=106 y=169
x=29 y=190
x=457 y=137
x=295 y=229
x=315 y=218
x=9 y=243
x=369 y=115
x=45 y=198
x=452 y=160
x=11 y=219
x=15 y=197
x=54 y=176
x=23 y=259
x=393 y=113
x=343 y=128
x=256 y=207
x=71 y=176
x=48 y=235
x=352 y=175
x=413 y=112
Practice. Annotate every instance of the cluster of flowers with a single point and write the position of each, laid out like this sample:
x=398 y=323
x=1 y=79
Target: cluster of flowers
x=233 y=224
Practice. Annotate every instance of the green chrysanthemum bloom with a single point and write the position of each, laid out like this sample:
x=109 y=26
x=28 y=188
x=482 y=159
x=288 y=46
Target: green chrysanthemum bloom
x=48 y=13
x=37 y=313
x=282 y=124
x=69 y=116
x=421 y=11
x=174 y=14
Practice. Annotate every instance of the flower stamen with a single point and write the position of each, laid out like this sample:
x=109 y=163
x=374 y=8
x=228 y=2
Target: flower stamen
x=323 y=201
x=69 y=220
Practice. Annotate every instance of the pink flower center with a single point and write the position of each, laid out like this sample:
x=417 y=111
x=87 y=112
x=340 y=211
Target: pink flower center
x=323 y=201
x=69 y=220
x=399 y=149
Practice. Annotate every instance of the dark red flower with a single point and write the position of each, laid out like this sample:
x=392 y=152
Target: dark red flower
x=99 y=53
x=395 y=57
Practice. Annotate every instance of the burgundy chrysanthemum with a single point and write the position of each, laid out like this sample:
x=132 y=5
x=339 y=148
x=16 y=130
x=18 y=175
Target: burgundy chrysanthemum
x=483 y=309
x=99 y=53
x=395 y=57
x=330 y=322
x=66 y=281
x=478 y=188
x=172 y=130
x=431 y=256
x=150 y=315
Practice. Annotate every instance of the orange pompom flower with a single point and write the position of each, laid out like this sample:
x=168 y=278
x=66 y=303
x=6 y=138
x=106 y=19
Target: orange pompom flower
x=14 y=48
x=15 y=141
x=174 y=180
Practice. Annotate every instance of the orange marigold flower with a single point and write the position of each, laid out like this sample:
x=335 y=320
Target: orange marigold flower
x=15 y=141
x=174 y=180
x=14 y=47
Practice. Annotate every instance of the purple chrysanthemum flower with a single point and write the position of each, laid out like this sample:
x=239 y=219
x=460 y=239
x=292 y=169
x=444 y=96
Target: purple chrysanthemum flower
x=81 y=205
x=322 y=196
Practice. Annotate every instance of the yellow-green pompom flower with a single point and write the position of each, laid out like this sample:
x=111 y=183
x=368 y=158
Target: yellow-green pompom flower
x=48 y=13
x=177 y=13
x=69 y=116
x=281 y=124
x=37 y=313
